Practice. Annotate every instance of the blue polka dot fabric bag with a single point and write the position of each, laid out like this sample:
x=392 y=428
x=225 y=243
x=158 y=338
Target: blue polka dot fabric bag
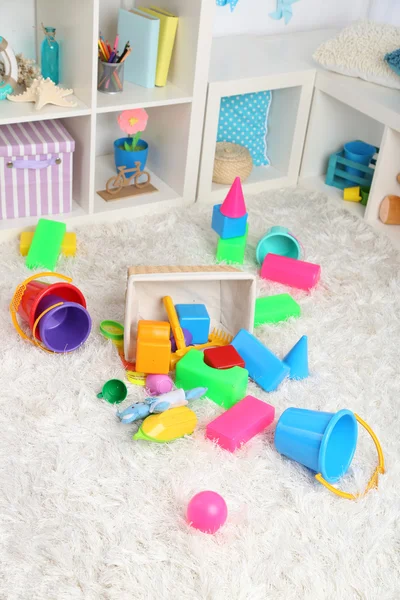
x=244 y=120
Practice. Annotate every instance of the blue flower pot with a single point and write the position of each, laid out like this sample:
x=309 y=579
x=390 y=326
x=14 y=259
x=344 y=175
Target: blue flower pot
x=123 y=158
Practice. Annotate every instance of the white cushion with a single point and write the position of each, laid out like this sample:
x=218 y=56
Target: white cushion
x=359 y=51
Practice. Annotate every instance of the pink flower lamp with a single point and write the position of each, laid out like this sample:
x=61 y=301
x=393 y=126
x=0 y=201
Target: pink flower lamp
x=131 y=149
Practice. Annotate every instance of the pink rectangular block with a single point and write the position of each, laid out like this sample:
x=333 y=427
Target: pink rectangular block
x=240 y=423
x=289 y=271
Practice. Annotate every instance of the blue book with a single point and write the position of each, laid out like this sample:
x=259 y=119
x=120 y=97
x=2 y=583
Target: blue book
x=142 y=31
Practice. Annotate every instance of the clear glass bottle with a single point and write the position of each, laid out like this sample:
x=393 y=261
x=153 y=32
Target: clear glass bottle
x=50 y=55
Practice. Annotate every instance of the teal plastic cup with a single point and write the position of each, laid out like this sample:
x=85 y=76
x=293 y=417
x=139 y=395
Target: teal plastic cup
x=323 y=442
x=359 y=152
x=278 y=240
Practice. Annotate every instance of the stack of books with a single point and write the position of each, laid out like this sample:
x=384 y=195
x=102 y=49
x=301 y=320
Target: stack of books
x=151 y=32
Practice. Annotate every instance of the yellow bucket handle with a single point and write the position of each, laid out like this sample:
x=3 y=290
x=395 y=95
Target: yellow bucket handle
x=16 y=301
x=373 y=482
x=36 y=323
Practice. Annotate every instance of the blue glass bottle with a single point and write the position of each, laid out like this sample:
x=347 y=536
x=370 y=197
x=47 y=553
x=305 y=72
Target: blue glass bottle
x=50 y=55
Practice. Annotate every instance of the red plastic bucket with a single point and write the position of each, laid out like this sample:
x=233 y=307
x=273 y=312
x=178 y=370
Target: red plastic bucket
x=34 y=299
x=36 y=291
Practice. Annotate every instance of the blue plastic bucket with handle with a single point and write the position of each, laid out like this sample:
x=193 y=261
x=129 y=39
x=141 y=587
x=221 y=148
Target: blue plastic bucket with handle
x=324 y=442
x=359 y=152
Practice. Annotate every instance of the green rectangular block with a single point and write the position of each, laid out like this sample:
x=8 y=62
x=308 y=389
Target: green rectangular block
x=272 y=309
x=46 y=244
x=233 y=249
x=225 y=386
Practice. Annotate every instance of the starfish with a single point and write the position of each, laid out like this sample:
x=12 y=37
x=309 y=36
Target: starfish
x=44 y=91
x=283 y=10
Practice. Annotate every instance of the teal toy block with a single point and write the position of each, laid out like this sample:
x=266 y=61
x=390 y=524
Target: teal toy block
x=194 y=318
x=337 y=176
x=228 y=227
x=266 y=369
x=297 y=359
x=232 y=250
x=225 y=386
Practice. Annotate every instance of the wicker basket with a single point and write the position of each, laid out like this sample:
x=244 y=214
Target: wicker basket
x=231 y=161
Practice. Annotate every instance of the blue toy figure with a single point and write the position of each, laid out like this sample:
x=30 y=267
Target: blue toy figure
x=232 y=3
x=159 y=404
x=283 y=10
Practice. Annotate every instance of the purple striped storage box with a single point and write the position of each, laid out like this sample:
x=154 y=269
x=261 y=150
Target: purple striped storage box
x=35 y=169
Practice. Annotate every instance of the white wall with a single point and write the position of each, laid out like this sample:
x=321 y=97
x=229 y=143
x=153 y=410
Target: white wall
x=251 y=16
x=386 y=11
x=17 y=19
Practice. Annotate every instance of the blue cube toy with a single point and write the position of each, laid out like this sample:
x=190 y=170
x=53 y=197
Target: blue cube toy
x=227 y=227
x=263 y=366
x=195 y=318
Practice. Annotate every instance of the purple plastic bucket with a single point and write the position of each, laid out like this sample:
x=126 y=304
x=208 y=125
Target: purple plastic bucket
x=64 y=328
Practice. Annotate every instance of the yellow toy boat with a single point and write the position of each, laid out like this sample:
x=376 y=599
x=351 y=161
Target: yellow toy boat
x=167 y=426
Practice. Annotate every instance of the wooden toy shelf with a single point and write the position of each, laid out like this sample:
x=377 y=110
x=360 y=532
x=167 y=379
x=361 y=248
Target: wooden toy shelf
x=175 y=111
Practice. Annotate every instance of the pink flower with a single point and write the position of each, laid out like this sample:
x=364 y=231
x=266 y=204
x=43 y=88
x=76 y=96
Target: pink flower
x=133 y=121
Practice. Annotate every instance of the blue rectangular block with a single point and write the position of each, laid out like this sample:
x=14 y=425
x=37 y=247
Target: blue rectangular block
x=195 y=318
x=227 y=227
x=266 y=369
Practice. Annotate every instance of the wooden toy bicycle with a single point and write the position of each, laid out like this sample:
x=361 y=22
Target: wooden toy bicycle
x=123 y=179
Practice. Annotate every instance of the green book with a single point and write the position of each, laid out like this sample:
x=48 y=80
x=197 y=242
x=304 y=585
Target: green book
x=46 y=244
x=272 y=309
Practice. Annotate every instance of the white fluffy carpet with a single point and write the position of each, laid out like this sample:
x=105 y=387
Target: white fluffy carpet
x=87 y=513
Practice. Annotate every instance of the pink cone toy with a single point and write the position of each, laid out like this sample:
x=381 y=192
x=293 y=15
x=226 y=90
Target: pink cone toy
x=234 y=205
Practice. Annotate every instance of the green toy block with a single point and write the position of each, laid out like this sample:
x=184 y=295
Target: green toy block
x=232 y=250
x=46 y=244
x=272 y=309
x=225 y=386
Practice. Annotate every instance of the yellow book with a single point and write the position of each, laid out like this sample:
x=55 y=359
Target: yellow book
x=166 y=40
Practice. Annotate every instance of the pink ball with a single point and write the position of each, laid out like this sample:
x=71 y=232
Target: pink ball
x=207 y=511
x=158 y=384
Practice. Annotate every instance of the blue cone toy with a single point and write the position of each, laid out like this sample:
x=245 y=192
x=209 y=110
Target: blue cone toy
x=297 y=359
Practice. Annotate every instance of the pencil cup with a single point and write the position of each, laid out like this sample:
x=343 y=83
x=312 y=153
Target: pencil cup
x=110 y=78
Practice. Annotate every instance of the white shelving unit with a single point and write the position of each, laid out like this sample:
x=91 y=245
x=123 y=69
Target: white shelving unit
x=346 y=108
x=176 y=111
x=313 y=114
x=250 y=63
